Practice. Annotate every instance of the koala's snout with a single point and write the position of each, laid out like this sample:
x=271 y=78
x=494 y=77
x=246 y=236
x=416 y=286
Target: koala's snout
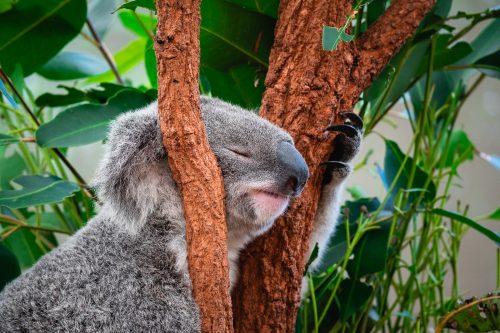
x=293 y=169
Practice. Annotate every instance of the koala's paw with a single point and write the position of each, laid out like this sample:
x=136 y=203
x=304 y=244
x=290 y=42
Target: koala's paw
x=345 y=146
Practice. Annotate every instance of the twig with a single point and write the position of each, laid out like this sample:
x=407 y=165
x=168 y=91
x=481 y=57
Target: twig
x=105 y=52
x=20 y=225
x=21 y=99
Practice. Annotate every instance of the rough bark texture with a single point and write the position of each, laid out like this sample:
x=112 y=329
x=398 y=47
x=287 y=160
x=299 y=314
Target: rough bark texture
x=306 y=88
x=194 y=166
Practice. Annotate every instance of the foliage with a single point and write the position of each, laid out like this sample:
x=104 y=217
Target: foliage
x=43 y=195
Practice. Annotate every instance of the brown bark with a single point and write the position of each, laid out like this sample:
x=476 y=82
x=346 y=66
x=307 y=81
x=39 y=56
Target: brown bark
x=306 y=88
x=194 y=166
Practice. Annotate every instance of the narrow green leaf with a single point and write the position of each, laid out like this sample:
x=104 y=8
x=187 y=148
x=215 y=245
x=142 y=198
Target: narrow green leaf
x=88 y=123
x=132 y=5
x=132 y=23
x=73 y=65
x=23 y=244
x=37 y=190
x=495 y=215
x=471 y=223
x=34 y=31
x=101 y=94
x=150 y=63
x=489 y=65
x=312 y=257
x=48 y=220
x=460 y=148
x=7 y=139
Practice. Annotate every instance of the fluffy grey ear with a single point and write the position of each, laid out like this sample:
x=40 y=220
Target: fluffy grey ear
x=133 y=179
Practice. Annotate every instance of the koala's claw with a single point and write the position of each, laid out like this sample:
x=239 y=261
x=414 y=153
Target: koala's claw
x=354 y=119
x=345 y=146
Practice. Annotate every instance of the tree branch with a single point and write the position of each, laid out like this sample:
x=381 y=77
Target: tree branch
x=193 y=165
x=306 y=89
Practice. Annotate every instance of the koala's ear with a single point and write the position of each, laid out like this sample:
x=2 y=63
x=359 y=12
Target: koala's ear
x=133 y=153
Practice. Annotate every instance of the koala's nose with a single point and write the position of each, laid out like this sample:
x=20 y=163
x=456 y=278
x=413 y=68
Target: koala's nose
x=293 y=166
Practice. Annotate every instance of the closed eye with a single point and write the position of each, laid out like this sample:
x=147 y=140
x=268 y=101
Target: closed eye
x=241 y=153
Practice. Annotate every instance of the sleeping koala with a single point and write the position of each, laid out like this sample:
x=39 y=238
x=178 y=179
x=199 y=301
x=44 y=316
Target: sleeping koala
x=126 y=270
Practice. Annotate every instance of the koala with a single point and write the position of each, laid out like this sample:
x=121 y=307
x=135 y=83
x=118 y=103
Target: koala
x=126 y=270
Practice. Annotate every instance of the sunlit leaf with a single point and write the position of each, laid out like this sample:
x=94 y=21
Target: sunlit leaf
x=100 y=94
x=139 y=24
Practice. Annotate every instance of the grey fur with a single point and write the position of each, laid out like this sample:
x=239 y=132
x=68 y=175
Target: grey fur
x=126 y=270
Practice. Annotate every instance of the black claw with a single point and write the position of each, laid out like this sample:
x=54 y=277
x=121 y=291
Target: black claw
x=348 y=130
x=354 y=118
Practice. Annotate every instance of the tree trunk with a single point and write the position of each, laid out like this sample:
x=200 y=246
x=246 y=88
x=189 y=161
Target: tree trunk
x=306 y=89
x=194 y=166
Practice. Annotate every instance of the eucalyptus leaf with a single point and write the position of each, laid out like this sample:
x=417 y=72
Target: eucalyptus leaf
x=266 y=7
x=132 y=5
x=73 y=65
x=10 y=267
x=332 y=36
x=459 y=149
x=494 y=215
x=138 y=23
x=100 y=94
x=7 y=139
x=50 y=221
x=494 y=236
x=150 y=63
x=23 y=244
x=394 y=160
x=352 y=296
x=37 y=190
x=489 y=65
x=232 y=36
x=89 y=122
x=34 y=31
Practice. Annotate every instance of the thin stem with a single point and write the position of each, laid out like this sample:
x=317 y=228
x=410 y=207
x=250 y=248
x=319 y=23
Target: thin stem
x=105 y=52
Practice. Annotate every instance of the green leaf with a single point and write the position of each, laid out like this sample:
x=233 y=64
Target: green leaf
x=495 y=215
x=37 y=190
x=266 y=7
x=6 y=5
x=10 y=267
x=370 y=254
x=150 y=63
x=24 y=246
x=489 y=65
x=333 y=36
x=7 y=139
x=34 y=31
x=132 y=5
x=393 y=161
x=73 y=65
x=88 y=123
x=10 y=168
x=232 y=36
x=50 y=221
x=74 y=95
x=352 y=296
x=459 y=149
x=471 y=223
x=241 y=85
x=131 y=22
x=312 y=257
x=126 y=59
x=476 y=315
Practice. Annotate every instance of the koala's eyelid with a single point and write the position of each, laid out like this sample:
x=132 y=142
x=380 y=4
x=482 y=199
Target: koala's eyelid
x=240 y=152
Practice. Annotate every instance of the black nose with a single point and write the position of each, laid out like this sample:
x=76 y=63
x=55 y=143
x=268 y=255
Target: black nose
x=293 y=168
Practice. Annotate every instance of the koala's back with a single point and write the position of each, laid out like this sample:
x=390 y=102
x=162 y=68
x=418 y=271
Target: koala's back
x=103 y=282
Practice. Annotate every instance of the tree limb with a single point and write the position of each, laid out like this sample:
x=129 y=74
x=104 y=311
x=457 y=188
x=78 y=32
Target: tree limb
x=193 y=165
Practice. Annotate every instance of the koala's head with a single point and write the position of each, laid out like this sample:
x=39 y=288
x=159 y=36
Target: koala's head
x=261 y=168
